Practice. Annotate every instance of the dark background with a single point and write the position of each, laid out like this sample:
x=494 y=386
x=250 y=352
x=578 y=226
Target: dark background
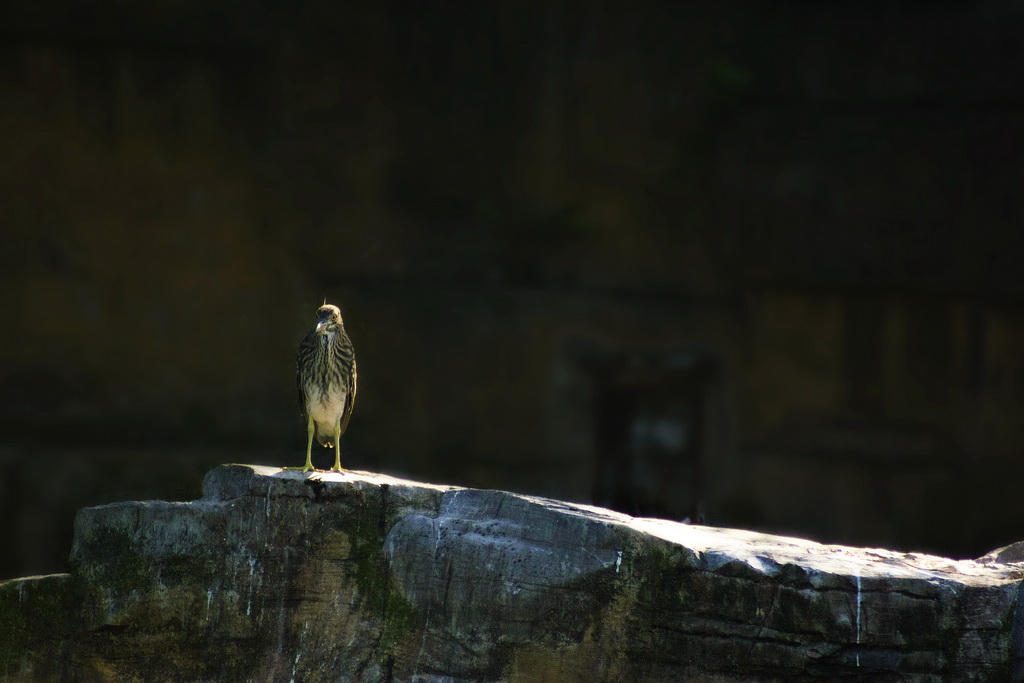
x=753 y=263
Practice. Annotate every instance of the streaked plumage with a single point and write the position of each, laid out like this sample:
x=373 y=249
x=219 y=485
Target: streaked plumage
x=326 y=375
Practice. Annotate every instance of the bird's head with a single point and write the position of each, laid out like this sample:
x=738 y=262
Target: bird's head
x=327 y=316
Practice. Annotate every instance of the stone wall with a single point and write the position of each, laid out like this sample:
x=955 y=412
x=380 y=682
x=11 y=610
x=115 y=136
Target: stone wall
x=821 y=198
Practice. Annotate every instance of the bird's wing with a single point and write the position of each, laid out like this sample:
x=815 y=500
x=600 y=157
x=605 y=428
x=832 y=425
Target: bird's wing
x=350 y=400
x=307 y=351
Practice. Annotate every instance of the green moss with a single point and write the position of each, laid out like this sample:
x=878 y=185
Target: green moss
x=366 y=525
x=398 y=618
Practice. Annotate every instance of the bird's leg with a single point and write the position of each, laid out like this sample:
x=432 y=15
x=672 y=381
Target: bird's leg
x=337 y=458
x=310 y=429
x=337 y=449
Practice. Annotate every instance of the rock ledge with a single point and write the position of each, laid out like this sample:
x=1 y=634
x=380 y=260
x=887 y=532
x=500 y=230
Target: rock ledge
x=277 y=575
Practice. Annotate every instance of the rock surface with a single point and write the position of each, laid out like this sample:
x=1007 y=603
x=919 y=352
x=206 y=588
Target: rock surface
x=276 y=575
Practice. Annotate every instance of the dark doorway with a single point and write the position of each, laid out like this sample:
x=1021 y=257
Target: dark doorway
x=649 y=419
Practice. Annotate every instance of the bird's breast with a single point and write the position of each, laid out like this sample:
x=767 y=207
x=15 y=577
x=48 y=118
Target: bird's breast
x=327 y=408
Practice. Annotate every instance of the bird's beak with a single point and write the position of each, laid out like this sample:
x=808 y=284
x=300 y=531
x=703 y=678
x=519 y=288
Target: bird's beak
x=320 y=324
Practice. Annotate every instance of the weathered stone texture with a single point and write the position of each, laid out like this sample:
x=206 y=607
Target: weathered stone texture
x=275 y=575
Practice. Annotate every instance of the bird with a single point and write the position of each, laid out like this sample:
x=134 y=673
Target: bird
x=326 y=378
